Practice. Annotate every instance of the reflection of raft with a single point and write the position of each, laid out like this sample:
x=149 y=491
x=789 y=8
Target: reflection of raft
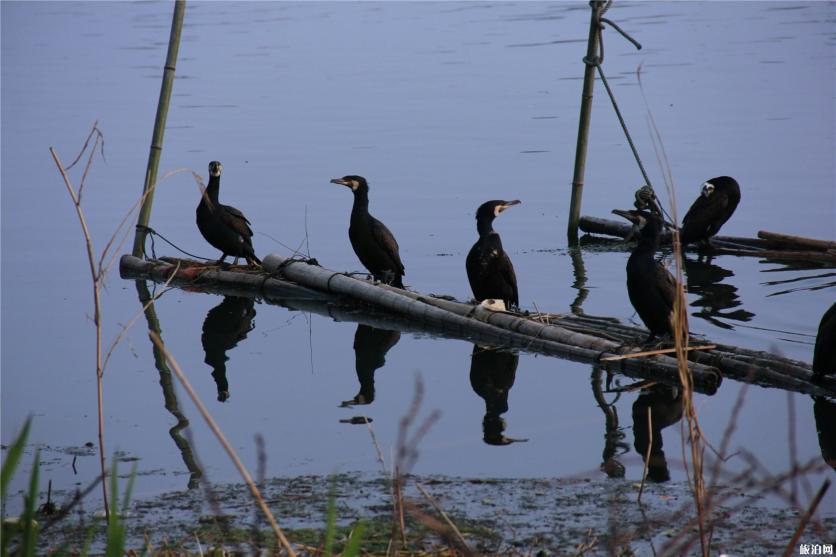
x=768 y=245
x=302 y=285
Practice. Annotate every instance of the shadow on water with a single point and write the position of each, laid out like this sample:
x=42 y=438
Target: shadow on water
x=664 y=405
x=225 y=326
x=370 y=347
x=492 y=374
x=714 y=296
x=169 y=396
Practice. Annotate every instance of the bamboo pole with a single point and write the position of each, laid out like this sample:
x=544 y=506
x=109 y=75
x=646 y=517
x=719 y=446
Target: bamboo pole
x=583 y=121
x=796 y=242
x=159 y=127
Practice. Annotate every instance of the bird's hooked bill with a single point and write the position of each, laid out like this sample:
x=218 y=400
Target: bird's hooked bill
x=339 y=181
x=507 y=204
x=632 y=216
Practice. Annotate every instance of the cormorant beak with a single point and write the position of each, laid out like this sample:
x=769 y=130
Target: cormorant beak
x=632 y=216
x=341 y=182
x=500 y=208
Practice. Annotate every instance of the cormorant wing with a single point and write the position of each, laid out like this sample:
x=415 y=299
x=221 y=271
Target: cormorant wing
x=236 y=220
x=384 y=238
x=509 y=276
x=704 y=214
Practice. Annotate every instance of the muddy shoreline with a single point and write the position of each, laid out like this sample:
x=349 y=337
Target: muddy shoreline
x=496 y=516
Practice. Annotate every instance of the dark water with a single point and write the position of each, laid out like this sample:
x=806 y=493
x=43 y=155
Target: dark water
x=441 y=106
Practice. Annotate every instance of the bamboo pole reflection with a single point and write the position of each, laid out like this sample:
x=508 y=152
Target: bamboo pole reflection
x=169 y=395
x=614 y=444
x=579 y=271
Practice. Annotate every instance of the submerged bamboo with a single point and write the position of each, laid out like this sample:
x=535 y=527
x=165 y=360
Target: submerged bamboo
x=159 y=127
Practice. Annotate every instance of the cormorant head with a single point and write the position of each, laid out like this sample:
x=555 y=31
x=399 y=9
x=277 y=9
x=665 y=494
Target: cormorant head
x=707 y=189
x=648 y=224
x=215 y=168
x=489 y=210
x=356 y=183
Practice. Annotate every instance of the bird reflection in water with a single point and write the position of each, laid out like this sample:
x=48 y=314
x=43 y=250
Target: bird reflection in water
x=714 y=297
x=492 y=374
x=370 y=348
x=665 y=405
x=824 y=364
x=225 y=326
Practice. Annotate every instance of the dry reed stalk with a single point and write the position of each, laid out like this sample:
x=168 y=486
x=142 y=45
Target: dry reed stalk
x=806 y=518
x=280 y=537
x=464 y=547
x=96 y=277
x=680 y=332
x=405 y=456
x=98 y=272
x=656 y=352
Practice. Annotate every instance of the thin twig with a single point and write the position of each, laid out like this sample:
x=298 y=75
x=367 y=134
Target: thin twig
x=806 y=518
x=655 y=352
x=96 y=279
x=464 y=547
x=280 y=537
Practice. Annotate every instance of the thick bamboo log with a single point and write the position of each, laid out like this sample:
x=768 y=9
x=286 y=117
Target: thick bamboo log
x=767 y=246
x=796 y=242
x=581 y=338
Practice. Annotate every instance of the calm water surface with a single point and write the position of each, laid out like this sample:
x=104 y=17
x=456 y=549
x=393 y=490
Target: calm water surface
x=441 y=106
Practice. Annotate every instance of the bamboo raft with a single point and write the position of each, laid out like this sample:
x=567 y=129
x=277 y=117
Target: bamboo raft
x=768 y=245
x=303 y=285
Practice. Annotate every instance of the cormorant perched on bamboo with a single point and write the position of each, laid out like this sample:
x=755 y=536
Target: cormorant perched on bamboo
x=824 y=354
x=373 y=243
x=714 y=206
x=223 y=226
x=652 y=289
x=489 y=269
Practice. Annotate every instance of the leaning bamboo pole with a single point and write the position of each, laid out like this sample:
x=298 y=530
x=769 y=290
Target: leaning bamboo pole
x=584 y=119
x=159 y=127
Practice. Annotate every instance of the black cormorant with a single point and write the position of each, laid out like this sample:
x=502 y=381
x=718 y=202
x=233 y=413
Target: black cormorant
x=225 y=326
x=373 y=243
x=489 y=269
x=714 y=206
x=223 y=226
x=824 y=354
x=652 y=289
x=824 y=363
x=370 y=348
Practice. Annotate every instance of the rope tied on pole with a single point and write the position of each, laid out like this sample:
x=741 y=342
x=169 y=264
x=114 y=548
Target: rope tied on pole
x=151 y=232
x=644 y=198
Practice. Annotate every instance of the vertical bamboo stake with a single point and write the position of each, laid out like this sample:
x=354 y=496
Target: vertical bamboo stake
x=583 y=125
x=159 y=126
